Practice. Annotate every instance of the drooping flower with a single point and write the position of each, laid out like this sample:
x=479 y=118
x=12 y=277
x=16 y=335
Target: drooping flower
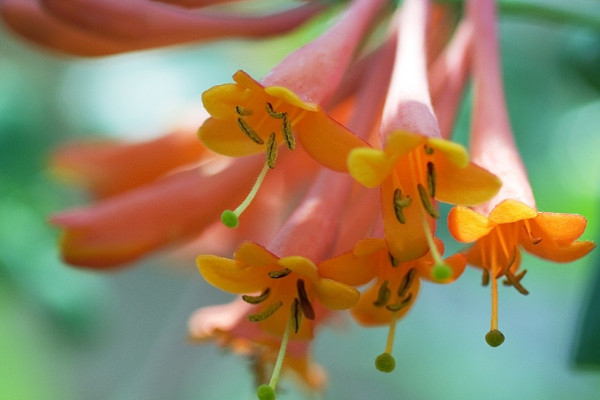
x=510 y=221
x=416 y=165
x=105 y=27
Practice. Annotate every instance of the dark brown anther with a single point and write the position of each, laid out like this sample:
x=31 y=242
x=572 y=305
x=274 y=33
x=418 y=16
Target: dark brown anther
x=393 y=262
x=271 y=151
x=266 y=313
x=288 y=135
x=406 y=282
x=280 y=274
x=273 y=113
x=242 y=111
x=425 y=200
x=307 y=308
x=399 y=204
x=431 y=179
x=251 y=133
x=534 y=240
x=485 y=277
x=399 y=306
x=383 y=296
x=428 y=150
x=516 y=281
x=257 y=299
x=296 y=315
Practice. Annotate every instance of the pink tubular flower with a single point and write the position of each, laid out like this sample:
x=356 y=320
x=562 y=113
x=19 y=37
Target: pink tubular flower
x=102 y=27
x=510 y=220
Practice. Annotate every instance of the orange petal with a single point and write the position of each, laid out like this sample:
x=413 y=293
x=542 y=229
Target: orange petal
x=550 y=250
x=348 y=268
x=456 y=262
x=563 y=228
x=467 y=225
x=232 y=276
x=253 y=254
x=367 y=314
x=510 y=210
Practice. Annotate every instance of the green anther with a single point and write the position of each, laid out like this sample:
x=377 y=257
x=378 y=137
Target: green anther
x=427 y=202
x=265 y=392
x=242 y=111
x=428 y=150
x=273 y=113
x=266 y=313
x=288 y=135
x=494 y=338
x=406 y=282
x=399 y=306
x=280 y=274
x=431 y=179
x=383 y=296
x=441 y=272
x=399 y=204
x=271 y=151
x=385 y=362
x=307 y=308
x=516 y=281
x=230 y=219
x=251 y=133
x=296 y=315
x=485 y=277
x=257 y=299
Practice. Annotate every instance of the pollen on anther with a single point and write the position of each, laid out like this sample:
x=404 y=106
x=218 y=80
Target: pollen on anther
x=266 y=313
x=383 y=296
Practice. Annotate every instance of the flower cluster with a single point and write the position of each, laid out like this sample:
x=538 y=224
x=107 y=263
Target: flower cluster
x=345 y=146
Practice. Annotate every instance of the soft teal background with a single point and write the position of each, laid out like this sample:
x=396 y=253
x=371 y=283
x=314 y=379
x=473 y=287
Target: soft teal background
x=68 y=334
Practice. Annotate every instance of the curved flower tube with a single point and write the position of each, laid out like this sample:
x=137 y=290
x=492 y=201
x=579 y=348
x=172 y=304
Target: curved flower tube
x=510 y=220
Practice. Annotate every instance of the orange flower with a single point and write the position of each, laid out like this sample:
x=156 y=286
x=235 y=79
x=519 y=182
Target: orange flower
x=510 y=220
x=416 y=165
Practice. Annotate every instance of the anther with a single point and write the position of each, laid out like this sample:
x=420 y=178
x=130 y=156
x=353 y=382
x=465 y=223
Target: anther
x=288 y=135
x=428 y=150
x=399 y=306
x=494 y=338
x=280 y=274
x=296 y=315
x=485 y=277
x=425 y=200
x=399 y=204
x=431 y=179
x=271 y=151
x=383 y=296
x=307 y=308
x=251 y=133
x=257 y=299
x=242 y=111
x=516 y=281
x=406 y=282
x=273 y=113
x=393 y=262
x=266 y=313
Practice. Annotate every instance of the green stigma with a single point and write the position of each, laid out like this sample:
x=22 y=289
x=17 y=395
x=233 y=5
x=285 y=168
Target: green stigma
x=441 y=272
x=230 y=219
x=494 y=338
x=265 y=392
x=385 y=362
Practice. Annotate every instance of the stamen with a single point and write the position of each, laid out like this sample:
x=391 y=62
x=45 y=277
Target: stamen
x=485 y=277
x=428 y=150
x=440 y=270
x=266 y=313
x=251 y=133
x=393 y=261
x=425 y=200
x=288 y=135
x=242 y=111
x=516 y=281
x=267 y=392
x=383 y=296
x=280 y=274
x=399 y=306
x=406 y=282
x=385 y=362
x=534 y=240
x=296 y=315
x=271 y=151
x=494 y=337
x=273 y=113
x=231 y=218
x=431 y=179
x=399 y=204
x=307 y=308
x=257 y=299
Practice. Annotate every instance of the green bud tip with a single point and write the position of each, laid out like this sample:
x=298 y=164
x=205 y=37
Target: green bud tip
x=265 y=392
x=230 y=219
x=494 y=338
x=442 y=272
x=385 y=362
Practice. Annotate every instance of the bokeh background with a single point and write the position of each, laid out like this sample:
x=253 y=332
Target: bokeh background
x=69 y=334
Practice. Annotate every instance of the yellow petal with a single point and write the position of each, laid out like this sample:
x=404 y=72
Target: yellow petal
x=453 y=152
x=220 y=100
x=290 y=97
x=510 y=210
x=302 y=266
x=349 y=269
x=369 y=166
x=400 y=143
x=335 y=295
x=253 y=254
x=467 y=225
x=225 y=137
x=230 y=276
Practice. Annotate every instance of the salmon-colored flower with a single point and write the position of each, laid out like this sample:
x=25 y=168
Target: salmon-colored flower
x=104 y=27
x=416 y=165
x=510 y=221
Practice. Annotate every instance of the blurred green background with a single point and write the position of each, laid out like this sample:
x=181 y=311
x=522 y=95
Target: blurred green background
x=70 y=334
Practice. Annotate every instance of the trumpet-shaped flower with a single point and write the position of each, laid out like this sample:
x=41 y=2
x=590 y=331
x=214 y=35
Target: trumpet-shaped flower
x=510 y=220
x=416 y=165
